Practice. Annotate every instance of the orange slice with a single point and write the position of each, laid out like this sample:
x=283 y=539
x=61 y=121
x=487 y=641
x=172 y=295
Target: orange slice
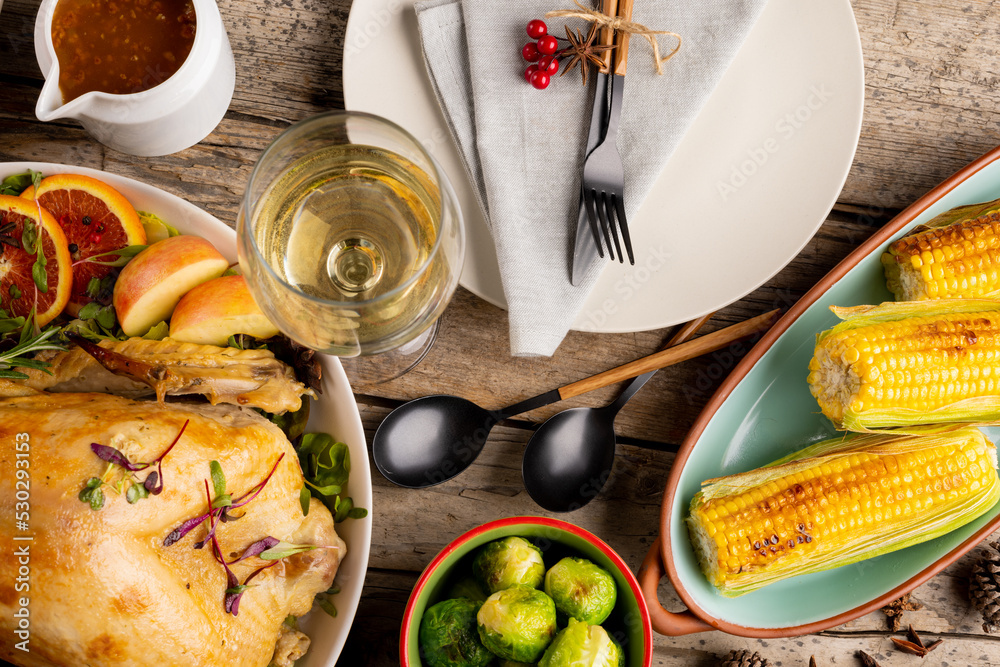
x=18 y=291
x=96 y=219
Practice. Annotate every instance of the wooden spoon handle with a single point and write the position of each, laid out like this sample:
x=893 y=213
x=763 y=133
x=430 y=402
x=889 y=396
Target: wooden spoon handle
x=688 y=330
x=673 y=355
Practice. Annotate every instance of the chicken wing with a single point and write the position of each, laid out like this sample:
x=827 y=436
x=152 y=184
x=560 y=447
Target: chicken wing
x=138 y=367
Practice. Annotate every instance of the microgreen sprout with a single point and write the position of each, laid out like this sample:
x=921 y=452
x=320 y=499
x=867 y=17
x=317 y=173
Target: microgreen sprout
x=153 y=484
x=219 y=504
x=154 y=480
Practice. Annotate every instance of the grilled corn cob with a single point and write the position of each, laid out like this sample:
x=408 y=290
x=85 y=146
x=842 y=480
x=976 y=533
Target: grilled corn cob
x=955 y=255
x=903 y=364
x=838 y=502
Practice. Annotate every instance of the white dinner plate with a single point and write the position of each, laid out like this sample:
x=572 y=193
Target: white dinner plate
x=750 y=183
x=335 y=412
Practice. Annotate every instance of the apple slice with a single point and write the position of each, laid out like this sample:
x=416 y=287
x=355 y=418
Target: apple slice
x=215 y=310
x=154 y=281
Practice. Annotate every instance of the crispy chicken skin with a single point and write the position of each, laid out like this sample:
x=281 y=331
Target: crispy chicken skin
x=103 y=588
x=139 y=367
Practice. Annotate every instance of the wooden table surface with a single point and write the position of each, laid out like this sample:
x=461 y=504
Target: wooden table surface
x=932 y=95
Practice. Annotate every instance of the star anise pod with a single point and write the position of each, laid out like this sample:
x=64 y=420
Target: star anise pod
x=913 y=644
x=583 y=51
x=867 y=660
x=894 y=610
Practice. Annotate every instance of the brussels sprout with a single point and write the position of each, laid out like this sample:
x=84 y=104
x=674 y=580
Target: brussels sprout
x=449 y=638
x=581 y=590
x=468 y=587
x=511 y=561
x=514 y=663
x=583 y=645
x=517 y=623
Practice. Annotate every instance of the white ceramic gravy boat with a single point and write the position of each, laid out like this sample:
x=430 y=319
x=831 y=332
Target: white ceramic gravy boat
x=167 y=118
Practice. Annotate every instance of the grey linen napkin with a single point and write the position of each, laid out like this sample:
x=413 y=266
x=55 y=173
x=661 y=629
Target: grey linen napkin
x=523 y=148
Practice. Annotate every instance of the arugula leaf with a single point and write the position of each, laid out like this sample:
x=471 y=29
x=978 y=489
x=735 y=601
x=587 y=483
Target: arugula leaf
x=292 y=423
x=326 y=464
x=304 y=496
x=15 y=184
x=158 y=331
x=89 y=311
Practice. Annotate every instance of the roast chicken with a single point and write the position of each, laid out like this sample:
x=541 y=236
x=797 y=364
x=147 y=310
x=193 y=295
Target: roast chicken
x=102 y=587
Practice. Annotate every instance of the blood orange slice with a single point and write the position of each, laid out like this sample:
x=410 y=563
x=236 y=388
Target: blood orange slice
x=18 y=291
x=96 y=219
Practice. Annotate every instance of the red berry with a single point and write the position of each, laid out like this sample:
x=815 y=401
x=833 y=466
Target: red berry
x=548 y=64
x=529 y=72
x=530 y=52
x=94 y=238
x=537 y=28
x=539 y=80
x=547 y=45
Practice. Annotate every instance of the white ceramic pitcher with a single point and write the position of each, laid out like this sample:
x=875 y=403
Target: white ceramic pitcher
x=167 y=118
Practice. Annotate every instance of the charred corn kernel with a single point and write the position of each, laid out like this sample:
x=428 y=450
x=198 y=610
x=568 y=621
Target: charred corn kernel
x=806 y=518
x=956 y=255
x=937 y=362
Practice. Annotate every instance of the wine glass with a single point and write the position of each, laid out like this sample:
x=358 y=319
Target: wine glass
x=352 y=242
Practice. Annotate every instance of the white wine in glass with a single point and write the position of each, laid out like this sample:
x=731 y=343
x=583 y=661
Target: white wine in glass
x=351 y=240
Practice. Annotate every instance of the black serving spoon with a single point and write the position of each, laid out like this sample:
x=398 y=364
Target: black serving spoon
x=430 y=440
x=570 y=456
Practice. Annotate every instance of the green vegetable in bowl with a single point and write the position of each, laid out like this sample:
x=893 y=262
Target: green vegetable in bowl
x=583 y=645
x=468 y=587
x=511 y=561
x=448 y=635
x=517 y=623
x=581 y=590
x=514 y=663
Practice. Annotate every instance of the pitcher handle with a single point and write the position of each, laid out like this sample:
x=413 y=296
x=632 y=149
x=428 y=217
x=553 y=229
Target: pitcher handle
x=664 y=622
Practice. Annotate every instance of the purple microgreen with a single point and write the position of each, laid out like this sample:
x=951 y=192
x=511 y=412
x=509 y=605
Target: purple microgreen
x=213 y=514
x=154 y=480
x=284 y=550
x=226 y=517
x=255 y=491
x=180 y=531
x=257 y=548
x=153 y=483
x=234 y=593
x=112 y=455
x=258 y=571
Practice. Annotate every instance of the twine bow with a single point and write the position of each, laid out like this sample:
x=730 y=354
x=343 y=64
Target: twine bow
x=618 y=23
